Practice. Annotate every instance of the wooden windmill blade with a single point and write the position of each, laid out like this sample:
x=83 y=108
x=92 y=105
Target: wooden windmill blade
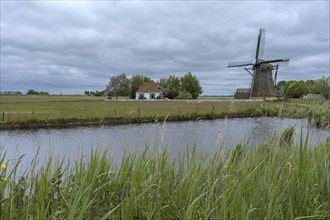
x=275 y=75
x=262 y=83
x=275 y=60
x=276 y=66
x=240 y=63
x=260 y=45
x=262 y=32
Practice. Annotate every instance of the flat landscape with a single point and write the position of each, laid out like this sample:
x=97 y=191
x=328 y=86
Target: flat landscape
x=26 y=110
x=182 y=110
x=263 y=181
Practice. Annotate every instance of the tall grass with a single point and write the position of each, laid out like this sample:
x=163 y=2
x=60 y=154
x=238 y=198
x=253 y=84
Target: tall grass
x=274 y=180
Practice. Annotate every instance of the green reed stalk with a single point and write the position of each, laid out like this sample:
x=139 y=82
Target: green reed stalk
x=267 y=181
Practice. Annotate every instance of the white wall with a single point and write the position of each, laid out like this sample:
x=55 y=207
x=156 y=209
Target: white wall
x=146 y=95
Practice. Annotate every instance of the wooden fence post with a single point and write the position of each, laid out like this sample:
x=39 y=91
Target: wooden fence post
x=3 y=116
x=139 y=111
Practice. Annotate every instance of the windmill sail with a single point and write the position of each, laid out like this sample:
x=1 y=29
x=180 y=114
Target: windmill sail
x=260 y=44
x=262 y=84
x=275 y=60
x=240 y=63
x=262 y=33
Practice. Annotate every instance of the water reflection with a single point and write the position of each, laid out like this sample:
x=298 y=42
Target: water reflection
x=178 y=137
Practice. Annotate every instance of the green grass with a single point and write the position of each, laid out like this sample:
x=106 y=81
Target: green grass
x=25 y=110
x=275 y=180
x=216 y=97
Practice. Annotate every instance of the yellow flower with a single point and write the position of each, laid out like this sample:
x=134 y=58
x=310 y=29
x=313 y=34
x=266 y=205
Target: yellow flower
x=3 y=166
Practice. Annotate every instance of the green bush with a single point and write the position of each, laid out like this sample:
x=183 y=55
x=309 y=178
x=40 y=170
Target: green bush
x=32 y=92
x=184 y=95
x=258 y=112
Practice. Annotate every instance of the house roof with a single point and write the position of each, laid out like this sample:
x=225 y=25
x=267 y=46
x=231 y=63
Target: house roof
x=148 y=87
x=241 y=90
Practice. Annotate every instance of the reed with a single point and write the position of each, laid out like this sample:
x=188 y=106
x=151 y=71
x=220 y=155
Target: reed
x=274 y=180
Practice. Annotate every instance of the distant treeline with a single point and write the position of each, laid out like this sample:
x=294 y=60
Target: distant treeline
x=187 y=87
x=298 y=88
x=96 y=93
x=11 y=93
x=29 y=92
x=33 y=92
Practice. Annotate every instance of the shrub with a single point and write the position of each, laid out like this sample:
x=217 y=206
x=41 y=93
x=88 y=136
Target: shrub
x=184 y=95
x=32 y=92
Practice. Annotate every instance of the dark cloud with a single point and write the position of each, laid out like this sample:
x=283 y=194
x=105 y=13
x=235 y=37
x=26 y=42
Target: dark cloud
x=69 y=47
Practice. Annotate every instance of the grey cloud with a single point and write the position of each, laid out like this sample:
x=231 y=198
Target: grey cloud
x=75 y=46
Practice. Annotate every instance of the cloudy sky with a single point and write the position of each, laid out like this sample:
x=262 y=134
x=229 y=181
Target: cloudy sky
x=72 y=46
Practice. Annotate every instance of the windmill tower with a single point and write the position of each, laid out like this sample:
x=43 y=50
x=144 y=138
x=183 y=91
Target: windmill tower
x=262 y=84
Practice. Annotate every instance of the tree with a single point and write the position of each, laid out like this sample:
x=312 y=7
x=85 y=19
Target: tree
x=119 y=85
x=184 y=95
x=190 y=84
x=295 y=89
x=99 y=93
x=171 y=86
x=32 y=92
x=322 y=86
x=280 y=84
x=43 y=93
x=310 y=84
x=136 y=82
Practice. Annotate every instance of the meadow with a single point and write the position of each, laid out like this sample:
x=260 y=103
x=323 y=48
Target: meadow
x=274 y=180
x=39 y=111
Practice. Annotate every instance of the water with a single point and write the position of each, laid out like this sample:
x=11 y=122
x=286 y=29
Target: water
x=178 y=137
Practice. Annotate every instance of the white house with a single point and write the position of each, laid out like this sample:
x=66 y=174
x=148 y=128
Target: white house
x=148 y=91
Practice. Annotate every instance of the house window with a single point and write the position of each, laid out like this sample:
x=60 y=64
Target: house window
x=152 y=95
x=141 y=96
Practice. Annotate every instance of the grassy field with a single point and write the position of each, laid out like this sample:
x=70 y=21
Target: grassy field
x=216 y=97
x=275 y=180
x=25 y=110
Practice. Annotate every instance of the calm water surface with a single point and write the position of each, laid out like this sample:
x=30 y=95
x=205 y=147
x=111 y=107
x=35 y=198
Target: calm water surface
x=179 y=137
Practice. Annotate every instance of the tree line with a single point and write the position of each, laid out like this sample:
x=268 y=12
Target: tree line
x=185 y=87
x=34 y=92
x=296 y=89
x=95 y=93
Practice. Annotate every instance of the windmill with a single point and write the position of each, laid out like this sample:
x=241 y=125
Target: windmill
x=262 y=84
